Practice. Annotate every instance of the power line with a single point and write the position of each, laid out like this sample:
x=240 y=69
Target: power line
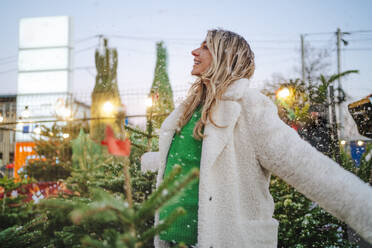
x=7 y=58
x=360 y=31
x=133 y=50
x=75 y=68
x=358 y=49
x=86 y=39
x=7 y=71
x=8 y=62
x=276 y=48
x=83 y=67
x=128 y=37
x=368 y=39
x=320 y=33
x=85 y=49
x=350 y=32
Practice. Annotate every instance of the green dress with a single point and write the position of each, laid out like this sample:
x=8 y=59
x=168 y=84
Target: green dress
x=185 y=150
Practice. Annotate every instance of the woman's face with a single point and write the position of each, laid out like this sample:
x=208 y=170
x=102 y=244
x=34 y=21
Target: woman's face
x=202 y=59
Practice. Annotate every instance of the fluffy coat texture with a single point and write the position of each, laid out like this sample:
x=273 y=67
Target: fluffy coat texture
x=235 y=206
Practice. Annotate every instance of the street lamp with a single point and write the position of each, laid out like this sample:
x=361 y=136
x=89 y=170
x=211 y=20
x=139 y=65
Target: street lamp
x=283 y=93
x=37 y=130
x=25 y=113
x=63 y=112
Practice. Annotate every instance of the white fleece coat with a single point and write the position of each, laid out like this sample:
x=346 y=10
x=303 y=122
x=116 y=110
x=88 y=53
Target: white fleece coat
x=235 y=206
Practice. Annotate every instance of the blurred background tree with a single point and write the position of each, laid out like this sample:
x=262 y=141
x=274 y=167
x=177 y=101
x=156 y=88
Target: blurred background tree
x=106 y=102
x=53 y=159
x=161 y=93
x=304 y=106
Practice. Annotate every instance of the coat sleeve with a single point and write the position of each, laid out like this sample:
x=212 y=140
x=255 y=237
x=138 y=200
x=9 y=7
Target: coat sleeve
x=150 y=161
x=280 y=150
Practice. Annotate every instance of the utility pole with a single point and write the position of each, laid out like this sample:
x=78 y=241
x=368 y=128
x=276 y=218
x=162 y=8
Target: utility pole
x=338 y=33
x=334 y=135
x=302 y=58
x=338 y=43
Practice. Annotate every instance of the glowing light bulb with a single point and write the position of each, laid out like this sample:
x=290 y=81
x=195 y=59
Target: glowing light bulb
x=108 y=107
x=37 y=130
x=283 y=93
x=25 y=113
x=149 y=102
x=63 y=112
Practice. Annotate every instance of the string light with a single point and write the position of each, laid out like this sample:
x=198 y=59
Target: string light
x=25 y=113
x=283 y=93
x=149 y=102
x=108 y=107
x=360 y=143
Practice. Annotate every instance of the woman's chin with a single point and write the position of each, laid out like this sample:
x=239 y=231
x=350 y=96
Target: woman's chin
x=195 y=73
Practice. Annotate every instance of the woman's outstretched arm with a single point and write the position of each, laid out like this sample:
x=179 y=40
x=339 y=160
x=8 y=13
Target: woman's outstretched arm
x=280 y=150
x=150 y=161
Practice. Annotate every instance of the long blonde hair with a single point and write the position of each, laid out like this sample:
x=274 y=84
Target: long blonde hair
x=232 y=59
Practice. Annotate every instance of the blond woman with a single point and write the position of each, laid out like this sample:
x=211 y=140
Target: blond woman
x=232 y=133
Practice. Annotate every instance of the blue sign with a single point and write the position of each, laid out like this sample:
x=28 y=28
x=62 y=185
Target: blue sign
x=26 y=129
x=357 y=152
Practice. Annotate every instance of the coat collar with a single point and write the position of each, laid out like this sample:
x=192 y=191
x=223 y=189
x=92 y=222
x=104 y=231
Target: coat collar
x=236 y=90
x=216 y=138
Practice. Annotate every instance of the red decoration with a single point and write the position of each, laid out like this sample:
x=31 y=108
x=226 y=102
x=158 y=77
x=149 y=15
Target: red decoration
x=294 y=126
x=10 y=166
x=115 y=146
x=47 y=189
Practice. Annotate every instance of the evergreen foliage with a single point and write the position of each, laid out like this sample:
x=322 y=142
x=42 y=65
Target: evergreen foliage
x=28 y=235
x=13 y=210
x=99 y=209
x=294 y=108
x=134 y=221
x=53 y=153
x=161 y=90
x=364 y=171
x=105 y=90
x=302 y=222
x=85 y=151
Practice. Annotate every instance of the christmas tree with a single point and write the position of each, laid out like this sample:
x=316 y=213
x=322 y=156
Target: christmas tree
x=106 y=102
x=161 y=91
x=53 y=152
x=104 y=208
x=13 y=209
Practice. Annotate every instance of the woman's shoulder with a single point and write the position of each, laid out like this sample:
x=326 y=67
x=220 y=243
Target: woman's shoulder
x=241 y=90
x=255 y=96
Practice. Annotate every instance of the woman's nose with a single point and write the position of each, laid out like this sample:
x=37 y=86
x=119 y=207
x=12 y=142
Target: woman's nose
x=195 y=52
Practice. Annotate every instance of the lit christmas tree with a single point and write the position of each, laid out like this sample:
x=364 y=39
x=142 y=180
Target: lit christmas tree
x=106 y=102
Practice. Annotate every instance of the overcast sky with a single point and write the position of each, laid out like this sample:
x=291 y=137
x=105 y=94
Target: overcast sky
x=272 y=28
